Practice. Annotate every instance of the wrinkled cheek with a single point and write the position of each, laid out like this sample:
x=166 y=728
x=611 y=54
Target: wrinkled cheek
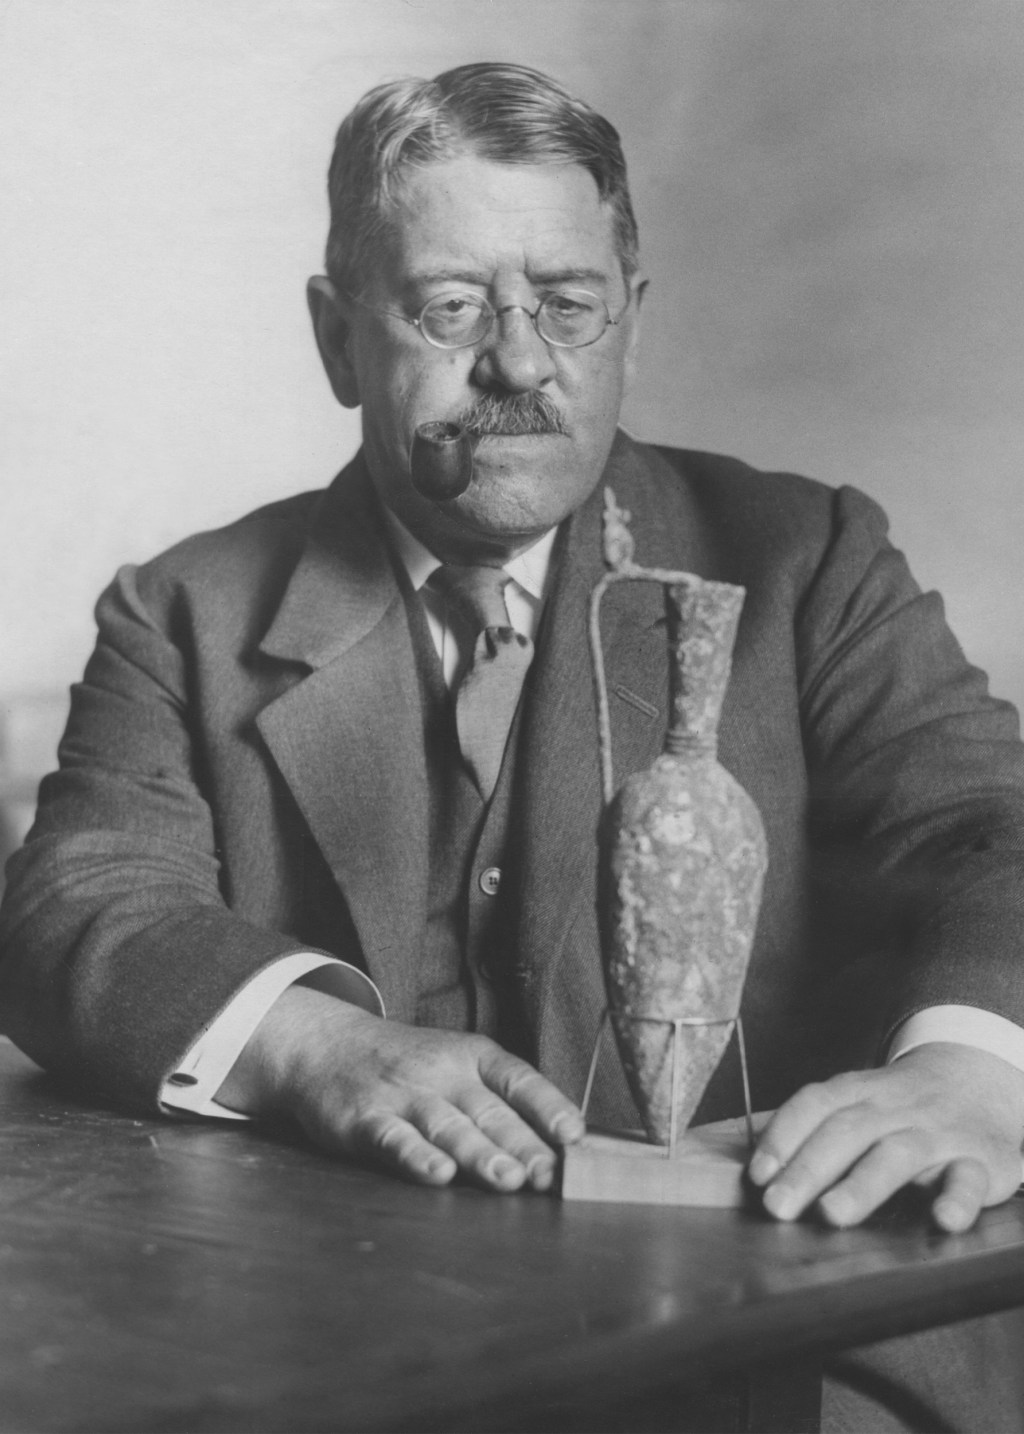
x=424 y=397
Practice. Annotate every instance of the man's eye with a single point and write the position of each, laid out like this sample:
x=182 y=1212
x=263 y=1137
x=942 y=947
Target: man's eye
x=565 y=306
x=453 y=306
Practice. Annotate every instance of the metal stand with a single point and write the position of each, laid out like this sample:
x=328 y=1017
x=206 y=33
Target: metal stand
x=677 y=1023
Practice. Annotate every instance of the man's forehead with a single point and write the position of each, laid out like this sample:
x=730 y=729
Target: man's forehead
x=453 y=219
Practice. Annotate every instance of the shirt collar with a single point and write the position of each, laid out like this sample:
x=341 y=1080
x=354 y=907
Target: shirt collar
x=528 y=568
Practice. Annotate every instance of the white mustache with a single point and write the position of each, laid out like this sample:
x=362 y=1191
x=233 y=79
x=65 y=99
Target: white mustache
x=512 y=415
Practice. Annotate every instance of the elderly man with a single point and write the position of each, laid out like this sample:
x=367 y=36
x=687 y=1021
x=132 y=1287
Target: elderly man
x=277 y=819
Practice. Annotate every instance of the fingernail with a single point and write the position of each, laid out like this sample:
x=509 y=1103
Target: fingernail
x=540 y=1172
x=439 y=1167
x=763 y=1167
x=782 y=1203
x=951 y=1216
x=504 y=1170
x=838 y=1208
x=568 y=1127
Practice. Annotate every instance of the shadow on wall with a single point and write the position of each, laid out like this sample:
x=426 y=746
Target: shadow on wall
x=30 y=728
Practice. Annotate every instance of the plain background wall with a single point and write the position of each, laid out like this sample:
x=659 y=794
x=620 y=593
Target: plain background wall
x=831 y=199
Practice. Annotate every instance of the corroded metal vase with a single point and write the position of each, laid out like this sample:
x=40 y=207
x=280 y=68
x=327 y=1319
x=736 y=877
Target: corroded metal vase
x=682 y=857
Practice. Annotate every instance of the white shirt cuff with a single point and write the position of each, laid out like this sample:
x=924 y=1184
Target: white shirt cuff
x=190 y=1088
x=963 y=1026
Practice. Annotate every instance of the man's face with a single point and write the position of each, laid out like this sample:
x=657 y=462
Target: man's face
x=511 y=234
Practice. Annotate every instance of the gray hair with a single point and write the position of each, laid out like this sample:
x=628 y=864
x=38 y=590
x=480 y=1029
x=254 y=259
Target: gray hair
x=506 y=113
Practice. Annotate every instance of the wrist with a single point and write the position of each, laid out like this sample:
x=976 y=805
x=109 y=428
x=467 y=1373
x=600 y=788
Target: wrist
x=276 y=1061
x=973 y=1072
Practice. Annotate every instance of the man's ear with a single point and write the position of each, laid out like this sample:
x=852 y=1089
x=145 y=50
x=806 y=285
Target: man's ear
x=333 y=333
x=637 y=290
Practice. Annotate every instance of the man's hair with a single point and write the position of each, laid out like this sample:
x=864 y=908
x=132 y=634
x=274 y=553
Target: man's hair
x=506 y=113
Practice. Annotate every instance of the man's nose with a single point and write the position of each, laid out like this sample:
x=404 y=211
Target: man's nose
x=513 y=355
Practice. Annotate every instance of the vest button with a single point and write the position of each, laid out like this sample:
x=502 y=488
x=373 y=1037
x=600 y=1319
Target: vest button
x=490 y=880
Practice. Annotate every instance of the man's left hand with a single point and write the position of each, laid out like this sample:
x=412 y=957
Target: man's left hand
x=944 y=1116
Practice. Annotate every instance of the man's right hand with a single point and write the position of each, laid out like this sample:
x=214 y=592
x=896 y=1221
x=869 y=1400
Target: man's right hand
x=429 y=1104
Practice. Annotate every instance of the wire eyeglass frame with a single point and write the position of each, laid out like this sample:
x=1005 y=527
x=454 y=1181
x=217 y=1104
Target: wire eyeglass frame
x=488 y=314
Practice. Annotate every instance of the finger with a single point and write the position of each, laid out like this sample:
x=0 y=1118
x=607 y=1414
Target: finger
x=500 y=1123
x=964 y=1191
x=397 y=1144
x=890 y=1164
x=475 y=1154
x=791 y=1125
x=831 y=1149
x=541 y=1104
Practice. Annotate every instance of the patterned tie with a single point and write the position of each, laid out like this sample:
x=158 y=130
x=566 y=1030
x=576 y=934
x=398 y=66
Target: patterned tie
x=486 y=699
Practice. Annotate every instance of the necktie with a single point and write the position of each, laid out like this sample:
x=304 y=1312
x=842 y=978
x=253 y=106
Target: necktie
x=486 y=698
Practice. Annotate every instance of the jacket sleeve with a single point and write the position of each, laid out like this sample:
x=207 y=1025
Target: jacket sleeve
x=117 y=948
x=916 y=779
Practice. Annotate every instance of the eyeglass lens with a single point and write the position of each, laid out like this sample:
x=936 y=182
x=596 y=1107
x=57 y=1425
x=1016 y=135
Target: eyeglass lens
x=568 y=319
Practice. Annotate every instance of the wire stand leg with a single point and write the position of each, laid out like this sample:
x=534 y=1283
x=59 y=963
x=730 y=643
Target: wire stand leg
x=593 y=1061
x=747 y=1110
x=673 y=1113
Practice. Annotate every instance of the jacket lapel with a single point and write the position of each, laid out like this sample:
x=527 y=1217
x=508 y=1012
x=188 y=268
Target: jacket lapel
x=348 y=737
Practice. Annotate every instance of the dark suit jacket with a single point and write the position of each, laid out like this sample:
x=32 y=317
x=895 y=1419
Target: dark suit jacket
x=243 y=776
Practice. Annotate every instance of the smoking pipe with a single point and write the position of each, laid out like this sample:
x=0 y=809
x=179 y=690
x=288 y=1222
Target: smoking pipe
x=441 y=462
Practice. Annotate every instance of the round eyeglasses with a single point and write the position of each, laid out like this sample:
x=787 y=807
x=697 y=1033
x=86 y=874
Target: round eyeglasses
x=568 y=319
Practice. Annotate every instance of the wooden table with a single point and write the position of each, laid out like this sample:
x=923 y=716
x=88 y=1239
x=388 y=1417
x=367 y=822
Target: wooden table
x=195 y=1277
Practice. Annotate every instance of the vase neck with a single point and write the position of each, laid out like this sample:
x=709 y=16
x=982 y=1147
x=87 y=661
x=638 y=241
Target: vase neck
x=701 y=618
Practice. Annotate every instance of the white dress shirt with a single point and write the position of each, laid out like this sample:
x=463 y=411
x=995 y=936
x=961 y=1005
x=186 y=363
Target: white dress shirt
x=192 y=1087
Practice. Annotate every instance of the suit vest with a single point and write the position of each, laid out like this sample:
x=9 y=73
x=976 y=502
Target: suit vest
x=466 y=975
